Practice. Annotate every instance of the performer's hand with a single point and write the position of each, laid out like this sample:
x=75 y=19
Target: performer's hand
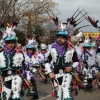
x=1 y=79
x=83 y=64
x=43 y=77
x=52 y=75
x=29 y=83
x=99 y=74
x=68 y=69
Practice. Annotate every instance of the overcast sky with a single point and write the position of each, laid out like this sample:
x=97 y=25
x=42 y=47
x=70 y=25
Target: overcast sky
x=68 y=7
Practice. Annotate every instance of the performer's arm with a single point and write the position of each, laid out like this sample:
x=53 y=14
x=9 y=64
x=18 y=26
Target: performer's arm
x=48 y=67
x=75 y=60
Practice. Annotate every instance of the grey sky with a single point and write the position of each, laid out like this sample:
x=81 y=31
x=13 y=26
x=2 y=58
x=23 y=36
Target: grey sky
x=68 y=7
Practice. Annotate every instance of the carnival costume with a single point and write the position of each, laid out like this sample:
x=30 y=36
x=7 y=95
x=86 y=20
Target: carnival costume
x=94 y=69
x=62 y=57
x=10 y=63
x=86 y=66
x=78 y=46
x=31 y=64
x=98 y=53
x=43 y=58
x=98 y=60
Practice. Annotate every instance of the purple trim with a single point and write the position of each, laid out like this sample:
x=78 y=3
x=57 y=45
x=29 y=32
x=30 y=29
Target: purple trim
x=27 y=66
x=80 y=63
x=30 y=54
x=25 y=74
x=61 y=49
x=30 y=74
x=87 y=53
x=8 y=50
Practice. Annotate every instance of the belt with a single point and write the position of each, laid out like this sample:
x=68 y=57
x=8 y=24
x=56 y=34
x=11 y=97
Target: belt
x=8 y=78
x=59 y=75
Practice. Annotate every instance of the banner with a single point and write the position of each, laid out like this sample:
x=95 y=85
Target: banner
x=91 y=34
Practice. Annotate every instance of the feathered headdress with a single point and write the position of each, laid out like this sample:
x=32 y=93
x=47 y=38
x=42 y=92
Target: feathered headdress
x=9 y=30
x=87 y=40
x=34 y=41
x=72 y=22
x=43 y=46
x=79 y=35
x=70 y=25
x=65 y=29
x=93 y=22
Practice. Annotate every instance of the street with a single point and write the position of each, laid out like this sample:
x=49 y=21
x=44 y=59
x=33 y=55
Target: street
x=45 y=90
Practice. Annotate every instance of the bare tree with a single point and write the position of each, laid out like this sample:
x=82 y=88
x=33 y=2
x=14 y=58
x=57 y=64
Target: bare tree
x=6 y=9
x=28 y=12
x=38 y=13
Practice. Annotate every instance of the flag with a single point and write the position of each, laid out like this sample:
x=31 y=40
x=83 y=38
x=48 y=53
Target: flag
x=70 y=44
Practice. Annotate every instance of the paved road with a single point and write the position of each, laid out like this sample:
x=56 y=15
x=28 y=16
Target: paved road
x=44 y=91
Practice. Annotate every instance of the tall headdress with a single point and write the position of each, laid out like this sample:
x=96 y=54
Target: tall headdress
x=43 y=46
x=87 y=42
x=34 y=41
x=79 y=35
x=8 y=32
